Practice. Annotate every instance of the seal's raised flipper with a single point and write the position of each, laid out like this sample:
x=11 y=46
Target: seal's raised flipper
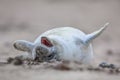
x=23 y=45
x=90 y=37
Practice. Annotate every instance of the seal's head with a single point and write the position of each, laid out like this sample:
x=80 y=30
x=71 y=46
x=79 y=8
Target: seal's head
x=46 y=50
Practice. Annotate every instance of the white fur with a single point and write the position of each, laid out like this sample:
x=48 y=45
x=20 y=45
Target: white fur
x=70 y=43
x=65 y=38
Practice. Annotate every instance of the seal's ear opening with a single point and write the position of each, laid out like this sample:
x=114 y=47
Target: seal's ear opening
x=45 y=41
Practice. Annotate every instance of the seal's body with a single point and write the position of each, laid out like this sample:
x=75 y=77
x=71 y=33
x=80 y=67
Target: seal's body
x=65 y=43
x=69 y=45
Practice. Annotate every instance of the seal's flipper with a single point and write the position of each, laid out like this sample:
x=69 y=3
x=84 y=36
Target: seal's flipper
x=23 y=45
x=90 y=37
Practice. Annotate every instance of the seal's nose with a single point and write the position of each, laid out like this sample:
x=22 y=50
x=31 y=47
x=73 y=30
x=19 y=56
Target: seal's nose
x=42 y=51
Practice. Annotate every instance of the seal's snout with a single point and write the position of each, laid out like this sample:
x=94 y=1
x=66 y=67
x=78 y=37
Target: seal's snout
x=42 y=51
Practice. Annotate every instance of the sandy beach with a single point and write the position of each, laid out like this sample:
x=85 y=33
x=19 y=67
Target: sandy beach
x=27 y=19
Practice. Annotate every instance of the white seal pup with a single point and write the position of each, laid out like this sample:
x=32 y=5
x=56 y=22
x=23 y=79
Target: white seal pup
x=65 y=43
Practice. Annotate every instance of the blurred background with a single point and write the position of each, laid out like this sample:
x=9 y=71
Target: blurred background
x=27 y=19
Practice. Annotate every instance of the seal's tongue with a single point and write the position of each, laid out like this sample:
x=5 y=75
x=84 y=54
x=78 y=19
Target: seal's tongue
x=90 y=37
